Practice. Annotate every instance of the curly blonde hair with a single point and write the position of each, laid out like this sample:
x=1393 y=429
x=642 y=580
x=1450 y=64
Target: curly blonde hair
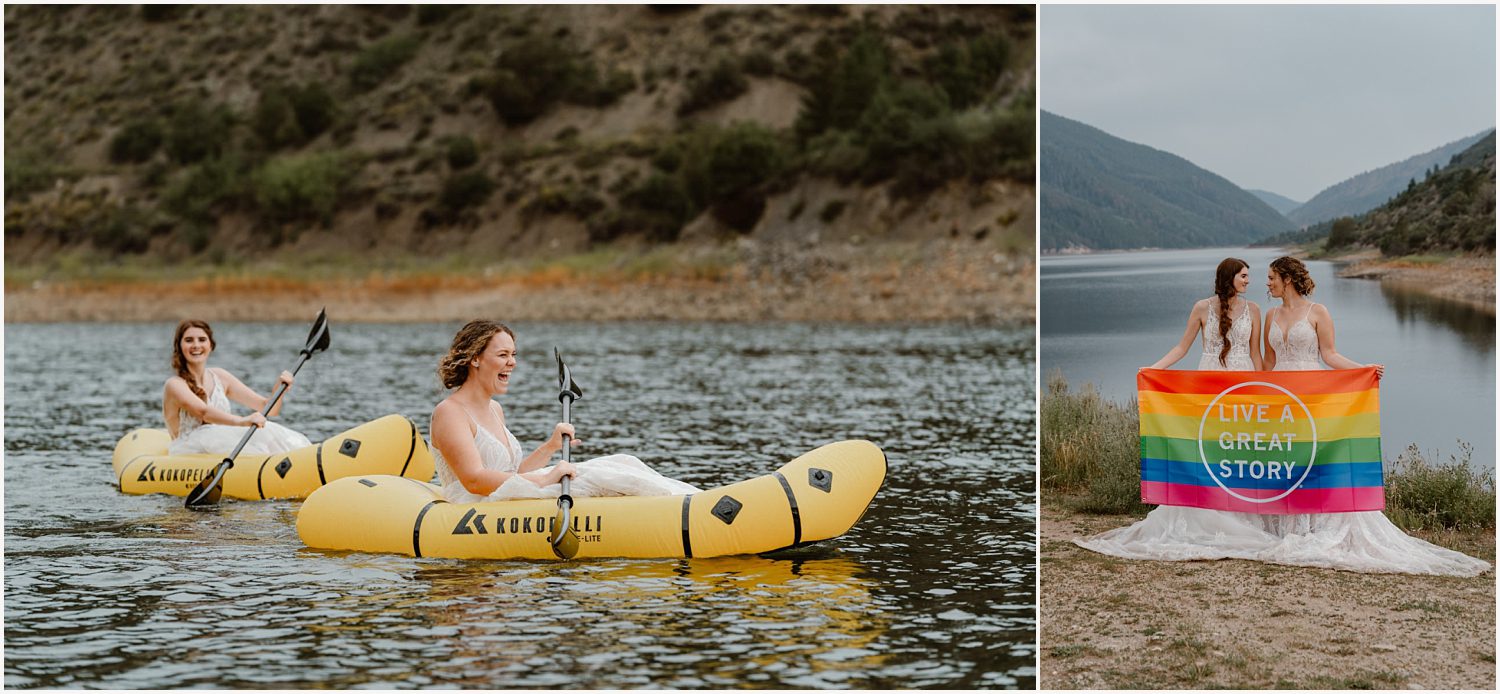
x=467 y=345
x=1291 y=270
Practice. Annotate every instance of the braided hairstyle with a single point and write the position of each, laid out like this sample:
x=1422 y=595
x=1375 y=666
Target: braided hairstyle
x=1224 y=289
x=179 y=362
x=467 y=345
x=1291 y=270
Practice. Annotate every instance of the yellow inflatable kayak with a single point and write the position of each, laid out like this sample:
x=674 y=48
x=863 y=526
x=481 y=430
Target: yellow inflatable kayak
x=389 y=445
x=818 y=496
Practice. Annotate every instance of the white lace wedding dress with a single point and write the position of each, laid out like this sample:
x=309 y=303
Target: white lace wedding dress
x=193 y=436
x=1363 y=541
x=611 y=475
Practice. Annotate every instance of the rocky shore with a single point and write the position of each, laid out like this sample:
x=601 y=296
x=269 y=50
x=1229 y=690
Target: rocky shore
x=1111 y=623
x=963 y=282
x=1466 y=278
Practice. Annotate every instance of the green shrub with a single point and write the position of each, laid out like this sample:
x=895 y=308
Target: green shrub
x=968 y=70
x=721 y=82
x=198 y=131
x=30 y=171
x=380 y=60
x=199 y=193
x=163 y=13
x=724 y=162
x=842 y=84
x=428 y=15
x=136 y=142
x=465 y=190
x=315 y=109
x=121 y=230
x=275 y=121
x=1452 y=495
x=659 y=206
x=760 y=63
x=569 y=199
x=301 y=187
x=537 y=72
x=462 y=152
x=832 y=211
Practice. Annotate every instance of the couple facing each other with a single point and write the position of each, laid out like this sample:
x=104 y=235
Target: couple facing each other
x=477 y=457
x=1298 y=337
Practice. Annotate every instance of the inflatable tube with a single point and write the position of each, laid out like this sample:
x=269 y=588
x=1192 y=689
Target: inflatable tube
x=390 y=445
x=818 y=496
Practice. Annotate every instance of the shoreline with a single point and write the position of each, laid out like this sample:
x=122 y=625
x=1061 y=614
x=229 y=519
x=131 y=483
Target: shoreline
x=929 y=284
x=1466 y=279
x=1110 y=623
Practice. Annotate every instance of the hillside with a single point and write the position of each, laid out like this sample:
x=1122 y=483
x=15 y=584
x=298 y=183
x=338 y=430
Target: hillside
x=1101 y=192
x=365 y=136
x=1280 y=203
x=1451 y=210
x=1365 y=192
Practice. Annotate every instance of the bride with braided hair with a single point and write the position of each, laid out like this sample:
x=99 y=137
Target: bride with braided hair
x=196 y=402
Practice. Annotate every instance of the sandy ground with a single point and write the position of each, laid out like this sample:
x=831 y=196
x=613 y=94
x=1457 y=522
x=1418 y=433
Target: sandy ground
x=1119 y=624
x=952 y=285
x=1470 y=279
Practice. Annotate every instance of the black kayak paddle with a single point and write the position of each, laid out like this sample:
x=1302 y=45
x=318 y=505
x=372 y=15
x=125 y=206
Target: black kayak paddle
x=208 y=491
x=565 y=541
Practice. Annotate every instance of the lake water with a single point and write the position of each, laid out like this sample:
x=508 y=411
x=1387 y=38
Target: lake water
x=1105 y=315
x=933 y=588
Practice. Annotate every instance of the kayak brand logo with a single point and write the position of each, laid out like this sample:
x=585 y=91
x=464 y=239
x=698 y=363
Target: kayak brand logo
x=1264 y=446
x=474 y=523
x=170 y=474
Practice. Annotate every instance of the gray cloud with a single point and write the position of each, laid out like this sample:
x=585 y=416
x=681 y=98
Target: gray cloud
x=1284 y=98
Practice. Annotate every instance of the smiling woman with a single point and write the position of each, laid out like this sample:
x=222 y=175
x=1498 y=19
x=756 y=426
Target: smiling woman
x=196 y=402
x=478 y=459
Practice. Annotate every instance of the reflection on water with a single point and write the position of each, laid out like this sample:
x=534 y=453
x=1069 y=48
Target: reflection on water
x=1104 y=316
x=1414 y=307
x=933 y=588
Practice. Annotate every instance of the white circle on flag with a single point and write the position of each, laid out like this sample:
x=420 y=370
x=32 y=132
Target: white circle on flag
x=1202 y=456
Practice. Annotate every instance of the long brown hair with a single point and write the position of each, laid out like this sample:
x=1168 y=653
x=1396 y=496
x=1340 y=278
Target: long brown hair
x=179 y=362
x=1224 y=289
x=468 y=343
x=1292 y=270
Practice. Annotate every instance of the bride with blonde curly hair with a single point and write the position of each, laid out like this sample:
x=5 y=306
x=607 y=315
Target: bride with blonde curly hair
x=479 y=459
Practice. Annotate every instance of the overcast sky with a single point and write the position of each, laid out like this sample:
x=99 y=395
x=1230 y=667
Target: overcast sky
x=1284 y=98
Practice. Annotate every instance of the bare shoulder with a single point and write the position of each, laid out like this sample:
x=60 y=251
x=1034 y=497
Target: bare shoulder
x=1321 y=311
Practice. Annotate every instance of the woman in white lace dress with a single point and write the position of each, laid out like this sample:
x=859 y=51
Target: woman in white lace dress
x=196 y=402
x=1184 y=532
x=477 y=457
x=1300 y=337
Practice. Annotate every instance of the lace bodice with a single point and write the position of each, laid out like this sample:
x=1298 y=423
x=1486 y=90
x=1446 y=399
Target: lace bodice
x=1238 y=358
x=494 y=454
x=187 y=423
x=1297 y=349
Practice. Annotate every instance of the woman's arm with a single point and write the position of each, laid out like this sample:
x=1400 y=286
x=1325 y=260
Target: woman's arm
x=245 y=395
x=1323 y=326
x=1255 y=337
x=543 y=454
x=453 y=437
x=1268 y=362
x=177 y=390
x=1195 y=321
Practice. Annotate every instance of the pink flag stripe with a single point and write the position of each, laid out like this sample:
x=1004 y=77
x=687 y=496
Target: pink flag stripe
x=1299 y=501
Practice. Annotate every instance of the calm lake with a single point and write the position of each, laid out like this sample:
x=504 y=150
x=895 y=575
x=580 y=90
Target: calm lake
x=1105 y=315
x=934 y=588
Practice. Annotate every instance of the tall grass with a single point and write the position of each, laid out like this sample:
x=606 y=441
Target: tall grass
x=1091 y=460
x=1091 y=453
x=1421 y=495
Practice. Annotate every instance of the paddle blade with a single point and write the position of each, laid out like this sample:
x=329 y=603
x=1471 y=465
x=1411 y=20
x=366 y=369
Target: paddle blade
x=565 y=542
x=317 y=338
x=565 y=385
x=208 y=492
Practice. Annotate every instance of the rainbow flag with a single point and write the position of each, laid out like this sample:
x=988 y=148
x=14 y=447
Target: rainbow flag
x=1262 y=441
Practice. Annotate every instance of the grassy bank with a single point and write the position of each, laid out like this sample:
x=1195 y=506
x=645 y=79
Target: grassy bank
x=1090 y=458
